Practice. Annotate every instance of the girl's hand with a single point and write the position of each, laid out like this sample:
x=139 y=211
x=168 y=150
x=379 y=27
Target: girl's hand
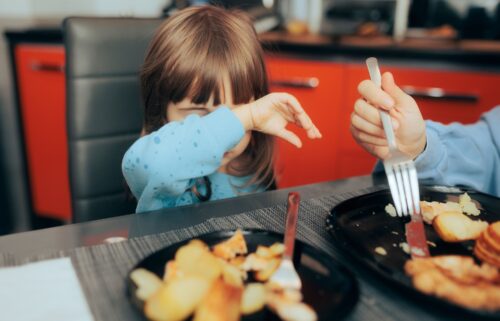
x=366 y=126
x=272 y=113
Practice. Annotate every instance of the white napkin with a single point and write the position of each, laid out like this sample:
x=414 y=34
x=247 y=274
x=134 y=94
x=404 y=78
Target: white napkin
x=46 y=290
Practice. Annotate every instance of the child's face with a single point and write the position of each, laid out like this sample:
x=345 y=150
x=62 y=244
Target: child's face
x=179 y=111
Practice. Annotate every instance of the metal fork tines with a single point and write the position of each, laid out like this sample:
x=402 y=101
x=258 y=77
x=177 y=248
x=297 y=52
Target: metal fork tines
x=286 y=276
x=399 y=167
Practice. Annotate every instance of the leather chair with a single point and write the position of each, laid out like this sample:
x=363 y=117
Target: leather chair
x=104 y=110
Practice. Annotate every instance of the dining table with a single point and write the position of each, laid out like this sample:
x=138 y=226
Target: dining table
x=104 y=251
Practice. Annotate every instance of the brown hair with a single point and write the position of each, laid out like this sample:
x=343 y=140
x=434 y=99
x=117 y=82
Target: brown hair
x=189 y=55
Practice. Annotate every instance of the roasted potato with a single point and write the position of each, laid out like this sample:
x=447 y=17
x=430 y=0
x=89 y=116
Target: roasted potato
x=222 y=304
x=147 y=283
x=253 y=299
x=234 y=246
x=177 y=299
x=195 y=259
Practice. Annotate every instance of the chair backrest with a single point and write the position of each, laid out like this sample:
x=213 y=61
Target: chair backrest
x=104 y=113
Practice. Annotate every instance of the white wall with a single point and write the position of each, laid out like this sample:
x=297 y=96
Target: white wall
x=37 y=9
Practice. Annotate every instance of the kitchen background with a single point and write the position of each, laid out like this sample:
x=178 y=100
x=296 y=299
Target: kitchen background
x=338 y=24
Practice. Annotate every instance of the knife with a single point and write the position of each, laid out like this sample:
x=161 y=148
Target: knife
x=415 y=237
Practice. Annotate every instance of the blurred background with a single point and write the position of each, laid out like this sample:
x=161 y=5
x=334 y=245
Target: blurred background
x=427 y=31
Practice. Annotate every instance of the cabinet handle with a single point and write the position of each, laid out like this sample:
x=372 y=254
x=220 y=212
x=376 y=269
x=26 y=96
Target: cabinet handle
x=439 y=94
x=308 y=83
x=36 y=66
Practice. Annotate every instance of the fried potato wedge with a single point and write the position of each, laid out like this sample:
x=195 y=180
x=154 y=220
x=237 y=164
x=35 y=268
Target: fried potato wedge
x=229 y=249
x=147 y=283
x=253 y=299
x=222 y=304
x=177 y=299
x=195 y=259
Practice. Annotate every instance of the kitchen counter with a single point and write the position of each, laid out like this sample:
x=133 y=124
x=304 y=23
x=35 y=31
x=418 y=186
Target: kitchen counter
x=480 y=54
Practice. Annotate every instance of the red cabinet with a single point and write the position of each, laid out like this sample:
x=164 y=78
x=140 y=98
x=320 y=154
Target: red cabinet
x=41 y=87
x=326 y=89
x=442 y=95
x=318 y=86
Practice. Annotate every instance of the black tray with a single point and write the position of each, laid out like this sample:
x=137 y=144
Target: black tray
x=326 y=285
x=360 y=224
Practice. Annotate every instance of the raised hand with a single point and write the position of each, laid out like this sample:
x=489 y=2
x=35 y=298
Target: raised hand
x=272 y=113
x=366 y=126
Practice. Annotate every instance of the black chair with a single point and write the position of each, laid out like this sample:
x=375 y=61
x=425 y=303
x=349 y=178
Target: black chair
x=104 y=111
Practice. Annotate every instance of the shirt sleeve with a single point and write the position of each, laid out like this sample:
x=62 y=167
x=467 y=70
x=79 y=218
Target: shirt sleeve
x=160 y=166
x=459 y=154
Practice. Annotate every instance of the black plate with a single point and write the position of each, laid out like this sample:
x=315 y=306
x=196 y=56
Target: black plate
x=326 y=285
x=361 y=224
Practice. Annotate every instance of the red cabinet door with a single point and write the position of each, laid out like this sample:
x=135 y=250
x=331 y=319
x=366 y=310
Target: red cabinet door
x=41 y=86
x=464 y=96
x=318 y=87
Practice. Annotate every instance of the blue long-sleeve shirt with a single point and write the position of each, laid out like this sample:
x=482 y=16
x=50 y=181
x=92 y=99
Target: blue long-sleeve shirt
x=160 y=168
x=467 y=155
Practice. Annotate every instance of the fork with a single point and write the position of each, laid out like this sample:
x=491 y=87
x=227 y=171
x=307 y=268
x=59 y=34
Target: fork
x=285 y=276
x=399 y=167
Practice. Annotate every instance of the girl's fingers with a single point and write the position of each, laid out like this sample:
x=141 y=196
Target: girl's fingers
x=375 y=95
x=362 y=125
x=290 y=137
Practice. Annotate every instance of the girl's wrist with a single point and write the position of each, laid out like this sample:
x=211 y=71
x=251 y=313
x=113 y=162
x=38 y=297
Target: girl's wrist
x=244 y=114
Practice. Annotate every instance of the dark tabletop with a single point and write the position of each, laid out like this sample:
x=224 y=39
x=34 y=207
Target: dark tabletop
x=95 y=232
x=378 y=300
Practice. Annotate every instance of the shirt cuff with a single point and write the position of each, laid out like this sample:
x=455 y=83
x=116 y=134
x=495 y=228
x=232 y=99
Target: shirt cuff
x=226 y=127
x=432 y=153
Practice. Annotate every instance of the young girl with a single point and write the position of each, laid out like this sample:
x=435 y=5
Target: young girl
x=208 y=119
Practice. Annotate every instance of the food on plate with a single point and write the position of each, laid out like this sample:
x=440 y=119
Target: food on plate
x=467 y=205
x=430 y=210
x=222 y=303
x=147 y=283
x=288 y=306
x=380 y=250
x=456 y=227
x=457 y=279
x=487 y=247
x=253 y=299
x=232 y=247
x=391 y=210
x=177 y=299
x=405 y=247
x=210 y=284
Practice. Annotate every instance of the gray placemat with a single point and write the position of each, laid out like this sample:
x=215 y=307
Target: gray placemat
x=102 y=269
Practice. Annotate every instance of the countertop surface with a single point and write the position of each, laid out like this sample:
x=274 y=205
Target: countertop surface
x=473 y=53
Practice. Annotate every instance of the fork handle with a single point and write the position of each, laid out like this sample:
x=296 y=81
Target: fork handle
x=375 y=76
x=291 y=224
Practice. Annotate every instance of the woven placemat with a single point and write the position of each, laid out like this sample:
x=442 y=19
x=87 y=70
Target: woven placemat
x=102 y=269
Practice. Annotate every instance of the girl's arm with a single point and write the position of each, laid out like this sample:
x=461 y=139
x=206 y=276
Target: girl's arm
x=162 y=164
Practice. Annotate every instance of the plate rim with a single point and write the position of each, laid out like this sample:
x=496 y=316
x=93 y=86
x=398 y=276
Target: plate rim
x=349 y=303
x=372 y=266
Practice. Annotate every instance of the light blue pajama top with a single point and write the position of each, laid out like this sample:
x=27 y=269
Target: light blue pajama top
x=160 y=168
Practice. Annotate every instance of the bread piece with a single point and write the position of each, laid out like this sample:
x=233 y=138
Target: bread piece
x=456 y=227
x=430 y=210
x=467 y=205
